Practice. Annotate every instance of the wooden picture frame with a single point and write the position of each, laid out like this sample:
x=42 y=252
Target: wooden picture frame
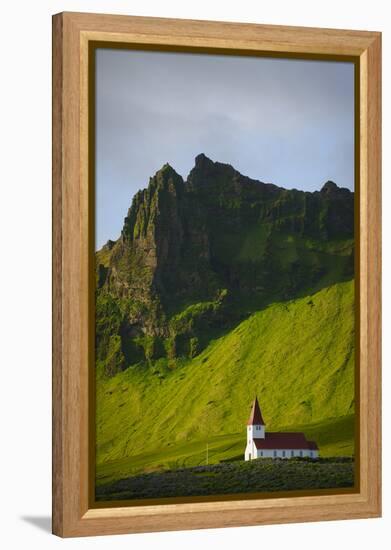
x=74 y=513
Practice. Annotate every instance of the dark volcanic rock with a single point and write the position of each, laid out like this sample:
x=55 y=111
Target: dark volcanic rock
x=217 y=234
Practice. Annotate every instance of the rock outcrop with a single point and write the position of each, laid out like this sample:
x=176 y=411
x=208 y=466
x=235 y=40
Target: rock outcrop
x=195 y=256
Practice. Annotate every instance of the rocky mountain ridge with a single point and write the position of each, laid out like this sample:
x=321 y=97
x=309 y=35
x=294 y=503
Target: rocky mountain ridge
x=195 y=257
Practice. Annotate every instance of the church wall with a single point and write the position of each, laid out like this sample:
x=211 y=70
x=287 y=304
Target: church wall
x=289 y=453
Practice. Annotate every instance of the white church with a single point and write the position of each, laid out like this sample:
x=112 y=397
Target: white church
x=262 y=444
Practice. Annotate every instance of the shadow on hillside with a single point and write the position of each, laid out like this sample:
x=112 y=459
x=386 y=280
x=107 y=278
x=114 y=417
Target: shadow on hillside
x=240 y=307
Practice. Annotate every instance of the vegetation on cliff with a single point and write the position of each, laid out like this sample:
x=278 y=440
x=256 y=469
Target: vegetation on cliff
x=195 y=258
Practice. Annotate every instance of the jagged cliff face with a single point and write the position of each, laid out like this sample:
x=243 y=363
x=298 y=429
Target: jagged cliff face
x=195 y=256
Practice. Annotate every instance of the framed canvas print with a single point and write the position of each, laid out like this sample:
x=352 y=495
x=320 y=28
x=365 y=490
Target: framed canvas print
x=216 y=295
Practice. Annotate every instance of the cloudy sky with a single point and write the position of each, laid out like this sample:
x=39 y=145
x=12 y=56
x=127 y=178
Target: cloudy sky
x=285 y=121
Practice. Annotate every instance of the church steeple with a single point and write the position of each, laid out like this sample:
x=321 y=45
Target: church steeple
x=255 y=424
x=256 y=415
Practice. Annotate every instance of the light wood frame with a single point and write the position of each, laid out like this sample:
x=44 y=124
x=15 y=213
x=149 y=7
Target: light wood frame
x=72 y=32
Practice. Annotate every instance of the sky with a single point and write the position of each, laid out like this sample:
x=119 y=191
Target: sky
x=285 y=121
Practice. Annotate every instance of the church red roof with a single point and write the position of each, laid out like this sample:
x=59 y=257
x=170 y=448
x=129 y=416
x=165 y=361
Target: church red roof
x=285 y=440
x=256 y=415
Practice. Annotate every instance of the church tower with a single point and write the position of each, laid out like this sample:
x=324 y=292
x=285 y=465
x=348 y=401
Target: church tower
x=255 y=424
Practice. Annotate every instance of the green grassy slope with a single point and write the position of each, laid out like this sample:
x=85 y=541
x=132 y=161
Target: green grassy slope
x=297 y=356
x=334 y=436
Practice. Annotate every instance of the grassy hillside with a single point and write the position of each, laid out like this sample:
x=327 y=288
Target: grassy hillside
x=297 y=356
x=335 y=438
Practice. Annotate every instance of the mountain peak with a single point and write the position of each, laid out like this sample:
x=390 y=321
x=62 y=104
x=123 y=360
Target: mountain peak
x=202 y=161
x=164 y=175
x=217 y=234
x=329 y=187
x=166 y=168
